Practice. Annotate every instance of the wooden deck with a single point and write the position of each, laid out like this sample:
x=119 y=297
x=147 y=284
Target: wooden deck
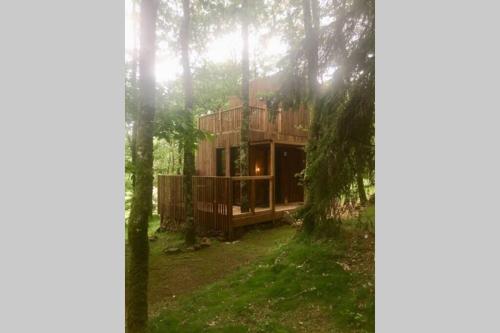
x=213 y=203
x=277 y=208
x=262 y=214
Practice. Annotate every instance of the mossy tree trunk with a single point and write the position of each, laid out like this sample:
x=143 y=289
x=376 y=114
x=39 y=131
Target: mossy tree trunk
x=245 y=116
x=133 y=76
x=189 y=143
x=311 y=27
x=138 y=259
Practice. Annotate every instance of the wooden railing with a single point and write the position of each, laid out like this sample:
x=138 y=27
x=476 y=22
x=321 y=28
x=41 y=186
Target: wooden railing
x=252 y=190
x=214 y=202
x=170 y=200
x=230 y=120
x=287 y=123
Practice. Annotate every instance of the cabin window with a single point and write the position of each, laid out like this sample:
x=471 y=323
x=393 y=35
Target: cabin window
x=221 y=161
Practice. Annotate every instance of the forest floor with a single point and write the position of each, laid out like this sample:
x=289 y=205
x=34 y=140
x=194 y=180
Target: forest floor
x=175 y=275
x=269 y=280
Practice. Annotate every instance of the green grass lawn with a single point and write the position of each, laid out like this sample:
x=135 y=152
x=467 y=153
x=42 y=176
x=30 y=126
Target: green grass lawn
x=282 y=284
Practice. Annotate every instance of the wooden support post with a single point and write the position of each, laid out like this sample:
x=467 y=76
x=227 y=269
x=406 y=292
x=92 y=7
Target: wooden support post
x=228 y=158
x=272 y=182
x=160 y=199
x=194 y=199
x=279 y=122
x=213 y=160
x=174 y=202
x=220 y=121
x=252 y=197
x=159 y=195
x=229 y=201
x=214 y=203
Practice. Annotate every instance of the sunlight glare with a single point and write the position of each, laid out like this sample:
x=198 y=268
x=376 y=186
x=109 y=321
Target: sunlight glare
x=226 y=47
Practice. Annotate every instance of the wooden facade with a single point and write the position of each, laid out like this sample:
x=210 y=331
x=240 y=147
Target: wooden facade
x=276 y=155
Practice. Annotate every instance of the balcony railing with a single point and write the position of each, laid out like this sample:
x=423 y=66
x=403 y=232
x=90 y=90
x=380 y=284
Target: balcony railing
x=288 y=123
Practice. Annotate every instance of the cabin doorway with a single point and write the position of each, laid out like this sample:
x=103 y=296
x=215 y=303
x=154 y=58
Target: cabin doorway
x=258 y=166
x=290 y=160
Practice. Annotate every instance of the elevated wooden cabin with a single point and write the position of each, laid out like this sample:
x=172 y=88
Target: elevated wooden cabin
x=276 y=155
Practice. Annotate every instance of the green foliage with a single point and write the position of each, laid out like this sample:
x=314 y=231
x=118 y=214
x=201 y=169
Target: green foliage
x=167 y=159
x=366 y=220
x=331 y=228
x=345 y=146
x=291 y=96
x=174 y=126
x=341 y=145
x=214 y=84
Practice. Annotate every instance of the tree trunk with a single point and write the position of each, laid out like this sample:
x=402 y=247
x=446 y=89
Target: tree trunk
x=179 y=159
x=361 y=189
x=138 y=258
x=133 y=75
x=189 y=143
x=359 y=179
x=171 y=169
x=245 y=116
x=311 y=45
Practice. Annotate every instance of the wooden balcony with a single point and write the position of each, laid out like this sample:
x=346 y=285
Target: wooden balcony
x=215 y=205
x=289 y=125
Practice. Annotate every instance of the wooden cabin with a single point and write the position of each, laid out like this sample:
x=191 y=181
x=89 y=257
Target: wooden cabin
x=276 y=155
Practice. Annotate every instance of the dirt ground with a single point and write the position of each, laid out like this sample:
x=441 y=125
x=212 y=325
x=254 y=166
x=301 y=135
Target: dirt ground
x=177 y=274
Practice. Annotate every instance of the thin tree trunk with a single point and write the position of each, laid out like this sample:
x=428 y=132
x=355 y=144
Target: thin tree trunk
x=171 y=169
x=133 y=149
x=138 y=259
x=311 y=45
x=361 y=189
x=189 y=168
x=359 y=180
x=245 y=116
x=133 y=74
x=179 y=159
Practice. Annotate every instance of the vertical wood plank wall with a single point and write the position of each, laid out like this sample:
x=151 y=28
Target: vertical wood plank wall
x=287 y=127
x=212 y=199
x=170 y=200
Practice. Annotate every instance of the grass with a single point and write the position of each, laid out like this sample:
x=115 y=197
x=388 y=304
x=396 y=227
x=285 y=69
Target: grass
x=174 y=276
x=299 y=285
